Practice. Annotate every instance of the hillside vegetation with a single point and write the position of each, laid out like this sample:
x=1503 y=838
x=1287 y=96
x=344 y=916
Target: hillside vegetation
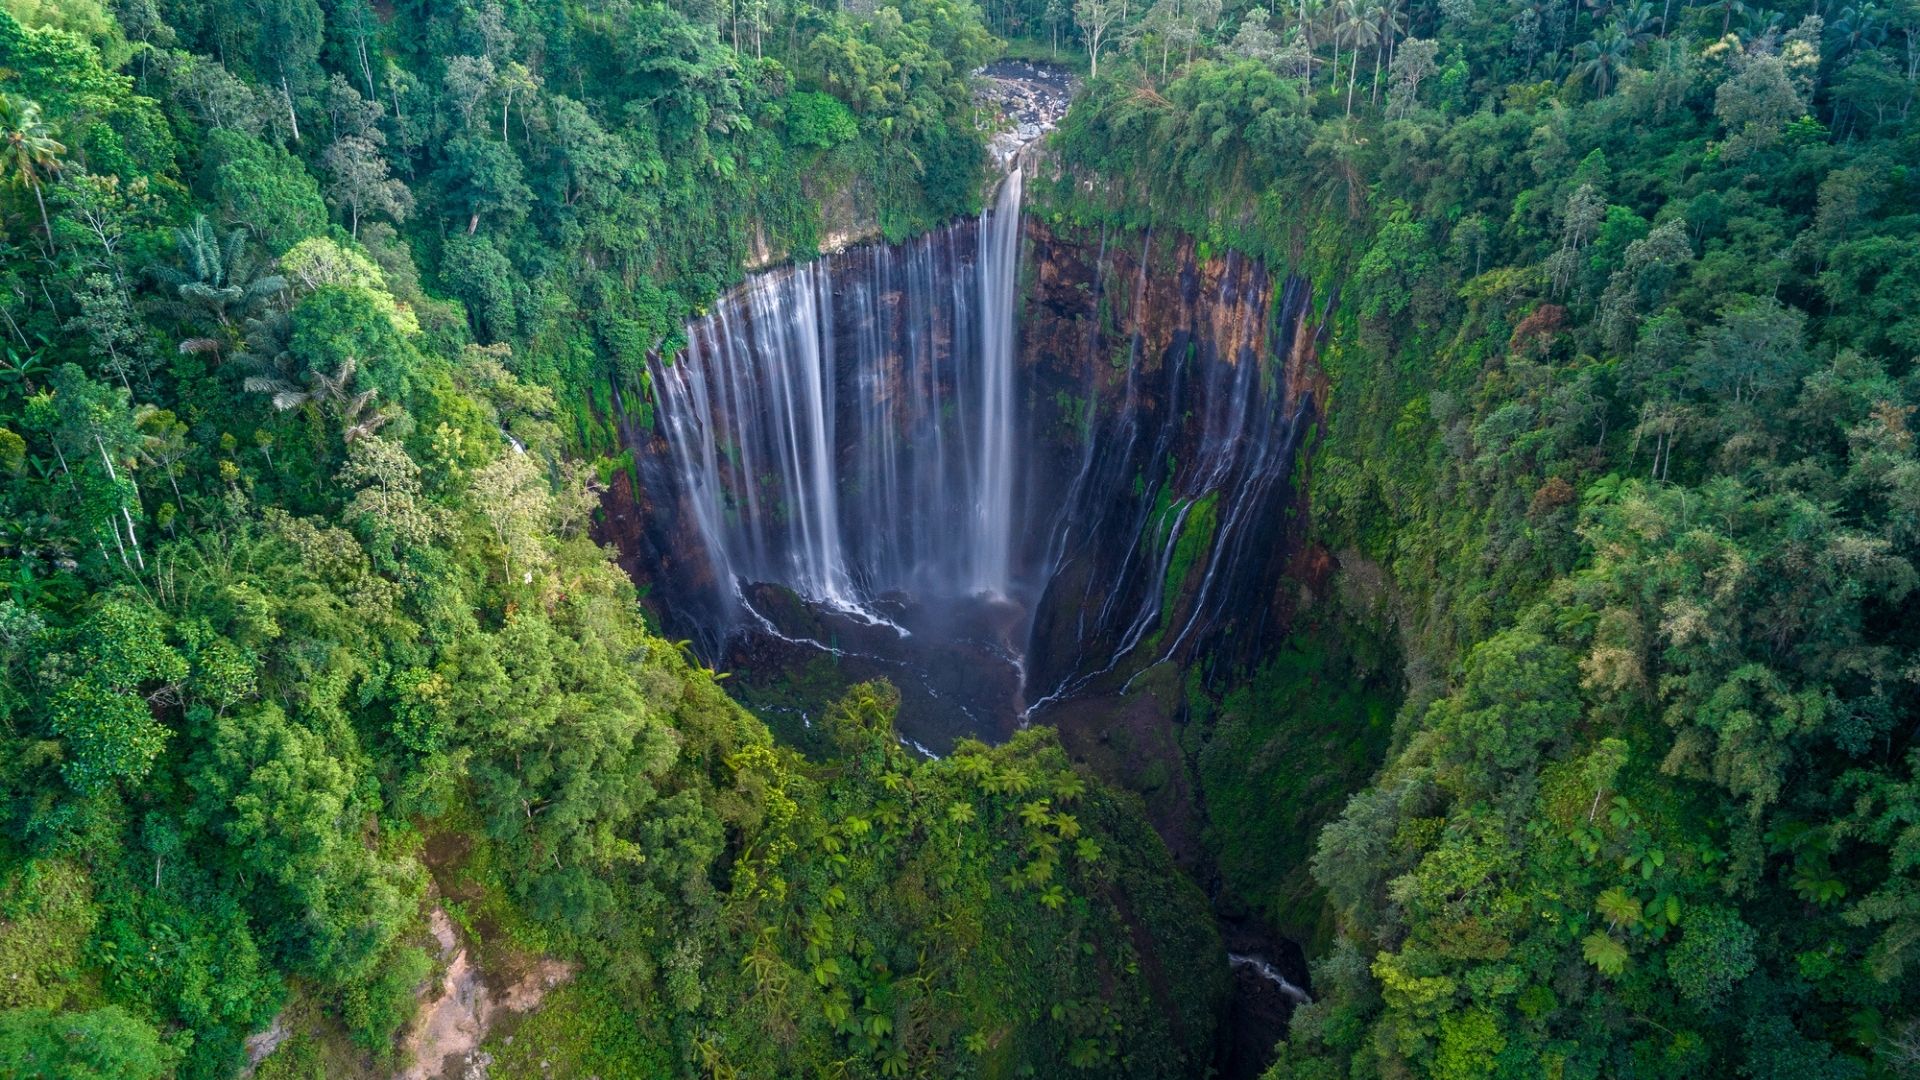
x=1622 y=357
x=313 y=319
x=310 y=313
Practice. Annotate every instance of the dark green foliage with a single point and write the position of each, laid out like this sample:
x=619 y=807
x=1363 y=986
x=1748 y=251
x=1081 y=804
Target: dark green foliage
x=1015 y=859
x=376 y=1010
x=481 y=278
x=106 y=1044
x=1621 y=399
x=284 y=606
x=1248 y=746
x=262 y=188
x=1714 y=954
x=100 y=712
x=819 y=120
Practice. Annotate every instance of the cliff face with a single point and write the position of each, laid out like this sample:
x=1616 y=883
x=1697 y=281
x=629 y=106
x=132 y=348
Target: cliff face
x=827 y=443
x=1173 y=391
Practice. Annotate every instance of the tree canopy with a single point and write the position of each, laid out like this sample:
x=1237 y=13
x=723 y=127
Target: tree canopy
x=312 y=313
x=1620 y=405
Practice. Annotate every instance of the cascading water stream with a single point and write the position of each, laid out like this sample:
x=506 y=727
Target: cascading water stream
x=854 y=482
x=999 y=270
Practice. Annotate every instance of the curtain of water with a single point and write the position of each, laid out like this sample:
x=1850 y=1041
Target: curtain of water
x=854 y=441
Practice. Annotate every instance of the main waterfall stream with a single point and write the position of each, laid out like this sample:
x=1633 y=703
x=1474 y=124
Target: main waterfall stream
x=756 y=410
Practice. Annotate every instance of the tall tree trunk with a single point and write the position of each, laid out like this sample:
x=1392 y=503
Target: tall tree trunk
x=1378 y=50
x=293 y=119
x=15 y=327
x=132 y=537
x=45 y=222
x=1306 y=39
x=117 y=543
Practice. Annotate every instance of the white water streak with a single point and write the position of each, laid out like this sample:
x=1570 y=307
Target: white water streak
x=999 y=269
x=1271 y=974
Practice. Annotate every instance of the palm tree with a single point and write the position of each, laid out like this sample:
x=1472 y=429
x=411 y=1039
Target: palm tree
x=30 y=150
x=1602 y=58
x=1393 y=24
x=1858 y=28
x=1361 y=27
x=21 y=368
x=1761 y=27
x=1637 y=21
x=217 y=276
x=1727 y=10
x=1309 y=14
x=321 y=390
x=1331 y=13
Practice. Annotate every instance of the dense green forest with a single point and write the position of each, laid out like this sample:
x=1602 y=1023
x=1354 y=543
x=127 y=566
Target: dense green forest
x=311 y=317
x=1623 y=383
x=314 y=316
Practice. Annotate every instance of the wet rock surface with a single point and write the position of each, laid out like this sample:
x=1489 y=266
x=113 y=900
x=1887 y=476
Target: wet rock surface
x=1269 y=983
x=954 y=659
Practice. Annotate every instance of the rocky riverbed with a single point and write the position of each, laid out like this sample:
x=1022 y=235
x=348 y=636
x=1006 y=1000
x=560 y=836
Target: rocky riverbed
x=1030 y=98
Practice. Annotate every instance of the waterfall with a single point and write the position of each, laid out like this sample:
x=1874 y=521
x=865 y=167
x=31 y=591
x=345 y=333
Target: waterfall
x=999 y=270
x=853 y=440
x=1001 y=498
x=1271 y=974
x=750 y=421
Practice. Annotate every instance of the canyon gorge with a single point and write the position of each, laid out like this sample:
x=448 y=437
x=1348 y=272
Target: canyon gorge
x=1004 y=464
